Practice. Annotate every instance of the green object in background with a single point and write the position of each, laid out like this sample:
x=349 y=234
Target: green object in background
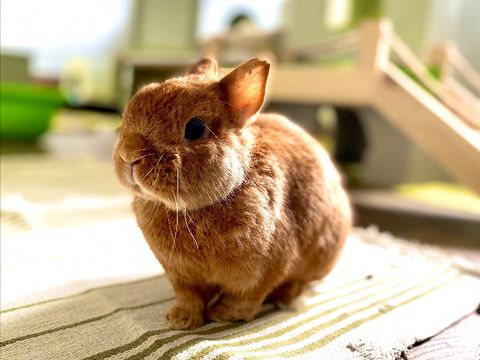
x=26 y=110
x=365 y=9
x=434 y=72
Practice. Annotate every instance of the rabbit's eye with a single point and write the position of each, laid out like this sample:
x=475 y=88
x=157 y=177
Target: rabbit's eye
x=195 y=129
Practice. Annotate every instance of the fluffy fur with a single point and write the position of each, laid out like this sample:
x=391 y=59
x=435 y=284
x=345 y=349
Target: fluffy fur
x=252 y=211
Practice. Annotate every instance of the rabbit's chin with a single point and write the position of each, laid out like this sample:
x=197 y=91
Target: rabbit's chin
x=172 y=204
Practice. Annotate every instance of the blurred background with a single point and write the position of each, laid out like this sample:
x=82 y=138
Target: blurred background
x=411 y=160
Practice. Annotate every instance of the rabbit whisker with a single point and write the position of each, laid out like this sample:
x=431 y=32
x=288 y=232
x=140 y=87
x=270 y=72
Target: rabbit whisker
x=158 y=172
x=190 y=231
x=176 y=201
x=191 y=219
x=176 y=217
x=138 y=150
x=148 y=172
x=154 y=168
x=143 y=156
x=174 y=239
x=211 y=132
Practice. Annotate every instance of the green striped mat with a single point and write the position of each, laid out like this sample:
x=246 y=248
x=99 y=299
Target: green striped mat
x=383 y=296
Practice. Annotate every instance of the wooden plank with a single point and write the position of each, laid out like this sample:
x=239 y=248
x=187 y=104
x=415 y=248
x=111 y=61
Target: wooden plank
x=374 y=51
x=452 y=94
x=318 y=84
x=431 y=125
x=462 y=102
x=335 y=45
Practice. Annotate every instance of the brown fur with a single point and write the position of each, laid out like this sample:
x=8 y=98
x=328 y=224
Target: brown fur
x=254 y=209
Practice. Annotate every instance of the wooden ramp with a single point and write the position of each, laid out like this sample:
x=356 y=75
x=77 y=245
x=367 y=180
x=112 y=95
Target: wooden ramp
x=442 y=118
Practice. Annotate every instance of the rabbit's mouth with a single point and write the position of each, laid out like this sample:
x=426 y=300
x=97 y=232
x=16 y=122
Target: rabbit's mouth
x=155 y=185
x=174 y=202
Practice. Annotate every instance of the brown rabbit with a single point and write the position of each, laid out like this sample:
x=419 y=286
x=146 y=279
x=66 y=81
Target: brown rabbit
x=231 y=202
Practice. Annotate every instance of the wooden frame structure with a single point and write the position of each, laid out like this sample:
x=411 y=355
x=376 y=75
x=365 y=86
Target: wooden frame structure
x=442 y=118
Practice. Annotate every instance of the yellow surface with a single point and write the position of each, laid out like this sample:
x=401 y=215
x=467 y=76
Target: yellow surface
x=448 y=196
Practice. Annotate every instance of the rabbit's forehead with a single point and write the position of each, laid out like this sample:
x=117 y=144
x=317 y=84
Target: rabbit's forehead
x=165 y=108
x=173 y=100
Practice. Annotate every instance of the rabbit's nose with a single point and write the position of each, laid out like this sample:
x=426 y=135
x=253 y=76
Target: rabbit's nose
x=130 y=163
x=130 y=172
x=130 y=166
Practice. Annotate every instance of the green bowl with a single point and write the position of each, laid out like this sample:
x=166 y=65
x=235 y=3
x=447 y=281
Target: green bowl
x=26 y=110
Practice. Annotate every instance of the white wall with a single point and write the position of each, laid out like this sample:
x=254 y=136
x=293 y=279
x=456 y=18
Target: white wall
x=53 y=30
x=458 y=21
x=214 y=15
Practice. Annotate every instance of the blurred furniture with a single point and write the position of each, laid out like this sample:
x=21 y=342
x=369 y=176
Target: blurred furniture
x=412 y=100
x=460 y=82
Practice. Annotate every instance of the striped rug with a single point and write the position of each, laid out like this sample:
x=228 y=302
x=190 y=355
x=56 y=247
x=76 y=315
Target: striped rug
x=384 y=295
x=79 y=282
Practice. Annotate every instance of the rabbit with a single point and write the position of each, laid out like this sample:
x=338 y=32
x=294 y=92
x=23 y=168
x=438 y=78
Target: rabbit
x=239 y=207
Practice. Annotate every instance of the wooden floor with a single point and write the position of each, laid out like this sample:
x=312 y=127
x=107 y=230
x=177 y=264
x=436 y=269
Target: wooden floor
x=461 y=341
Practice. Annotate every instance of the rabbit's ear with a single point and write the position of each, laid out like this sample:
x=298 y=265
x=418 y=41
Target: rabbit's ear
x=204 y=66
x=244 y=87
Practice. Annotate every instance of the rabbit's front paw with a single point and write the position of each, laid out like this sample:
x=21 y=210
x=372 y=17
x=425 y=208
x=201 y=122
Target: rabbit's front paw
x=233 y=309
x=183 y=317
